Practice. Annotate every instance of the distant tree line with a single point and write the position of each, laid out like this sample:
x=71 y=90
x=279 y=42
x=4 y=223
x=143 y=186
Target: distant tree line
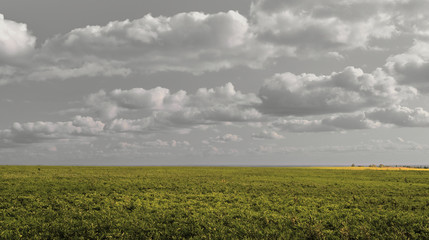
x=401 y=166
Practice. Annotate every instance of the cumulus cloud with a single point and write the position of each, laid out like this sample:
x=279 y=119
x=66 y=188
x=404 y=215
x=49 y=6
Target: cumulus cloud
x=401 y=116
x=132 y=125
x=34 y=132
x=300 y=99
x=197 y=42
x=267 y=135
x=312 y=27
x=160 y=107
x=411 y=67
x=227 y=138
x=309 y=27
x=15 y=40
x=109 y=104
x=193 y=42
x=346 y=91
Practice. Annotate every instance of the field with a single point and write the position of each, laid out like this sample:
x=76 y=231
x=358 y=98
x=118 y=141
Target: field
x=212 y=203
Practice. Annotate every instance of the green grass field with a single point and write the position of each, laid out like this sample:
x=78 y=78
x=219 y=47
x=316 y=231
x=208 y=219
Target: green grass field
x=212 y=203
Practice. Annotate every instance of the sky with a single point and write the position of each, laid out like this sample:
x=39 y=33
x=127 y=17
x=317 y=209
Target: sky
x=220 y=83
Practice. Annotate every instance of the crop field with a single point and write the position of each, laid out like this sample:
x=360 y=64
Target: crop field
x=39 y=202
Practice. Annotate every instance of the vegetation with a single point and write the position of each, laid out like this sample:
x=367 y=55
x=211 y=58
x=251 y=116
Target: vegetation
x=202 y=202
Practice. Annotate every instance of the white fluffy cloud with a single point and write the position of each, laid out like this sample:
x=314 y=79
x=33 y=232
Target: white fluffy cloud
x=109 y=104
x=33 y=132
x=161 y=107
x=197 y=42
x=226 y=138
x=192 y=41
x=15 y=40
x=311 y=26
x=298 y=98
x=265 y=134
x=346 y=91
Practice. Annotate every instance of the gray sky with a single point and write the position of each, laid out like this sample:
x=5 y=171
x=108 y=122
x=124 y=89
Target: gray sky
x=192 y=82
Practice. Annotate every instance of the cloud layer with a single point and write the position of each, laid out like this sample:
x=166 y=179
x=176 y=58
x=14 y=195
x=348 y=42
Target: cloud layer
x=123 y=115
x=197 y=42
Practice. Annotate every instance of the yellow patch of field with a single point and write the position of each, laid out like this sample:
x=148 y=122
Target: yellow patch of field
x=376 y=168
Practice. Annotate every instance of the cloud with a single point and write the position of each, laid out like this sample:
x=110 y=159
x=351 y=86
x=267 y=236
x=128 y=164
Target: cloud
x=411 y=17
x=401 y=116
x=144 y=111
x=398 y=116
x=159 y=107
x=374 y=145
x=132 y=125
x=330 y=123
x=310 y=27
x=196 y=42
x=15 y=40
x=191 y=42
x=34 y=132
x=411 y=67
x=227 y=138
x=88 y=69
x=346 y=91
x=267 y=135
x=108 y=105
x=158 y=143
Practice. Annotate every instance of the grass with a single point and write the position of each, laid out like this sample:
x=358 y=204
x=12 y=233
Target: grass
x=212 y=203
